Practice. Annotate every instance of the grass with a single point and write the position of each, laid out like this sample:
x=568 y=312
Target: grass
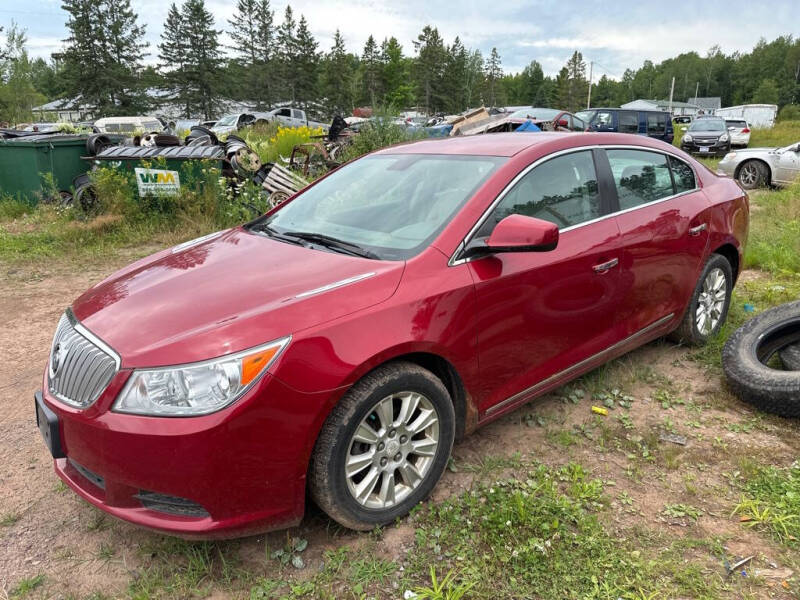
x=26 y=586
x=771 y=503
x=774 y=243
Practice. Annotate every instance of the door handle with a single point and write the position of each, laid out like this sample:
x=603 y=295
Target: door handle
x=606 y=266
x=695 y=231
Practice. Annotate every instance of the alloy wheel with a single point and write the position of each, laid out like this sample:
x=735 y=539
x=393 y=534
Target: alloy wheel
x=392 y=450
x=749 y=174
x=711 y=302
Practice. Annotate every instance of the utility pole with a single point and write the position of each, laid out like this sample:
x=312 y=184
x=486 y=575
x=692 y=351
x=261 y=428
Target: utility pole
x=589 y=99
x=671 y=91
x=696 y=90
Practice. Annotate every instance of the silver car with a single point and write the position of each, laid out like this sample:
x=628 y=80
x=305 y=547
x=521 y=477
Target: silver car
x=755 y=167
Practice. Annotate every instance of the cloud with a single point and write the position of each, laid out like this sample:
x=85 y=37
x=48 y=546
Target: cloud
x=615 y=35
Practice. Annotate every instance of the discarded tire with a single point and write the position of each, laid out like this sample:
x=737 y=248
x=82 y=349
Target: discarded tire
x=85 y=196
x=748 y=351
x=96 y=143
x=198 y=132
x=790 y=356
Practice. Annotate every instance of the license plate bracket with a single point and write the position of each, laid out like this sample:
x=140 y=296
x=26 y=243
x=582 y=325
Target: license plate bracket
x=47 y=422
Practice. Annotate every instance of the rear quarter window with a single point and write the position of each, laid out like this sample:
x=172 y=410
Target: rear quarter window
x=682 y=174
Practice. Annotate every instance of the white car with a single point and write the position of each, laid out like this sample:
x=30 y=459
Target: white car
x=739 y=131
x=146 y=124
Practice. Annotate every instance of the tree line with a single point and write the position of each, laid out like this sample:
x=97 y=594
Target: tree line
x=275 y=58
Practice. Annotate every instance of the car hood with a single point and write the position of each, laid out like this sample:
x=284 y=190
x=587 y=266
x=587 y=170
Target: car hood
x=224 y=293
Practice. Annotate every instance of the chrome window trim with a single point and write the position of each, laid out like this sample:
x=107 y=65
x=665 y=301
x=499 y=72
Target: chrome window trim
x=579 y=365
x=454 y=261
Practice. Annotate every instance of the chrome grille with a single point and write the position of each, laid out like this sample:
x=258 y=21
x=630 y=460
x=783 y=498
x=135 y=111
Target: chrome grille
x=81 y=366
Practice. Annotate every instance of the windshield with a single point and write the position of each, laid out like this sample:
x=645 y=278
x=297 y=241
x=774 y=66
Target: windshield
x=389 y=205
x=585 y=115
x=226 y=120
x=708 y=125
x=536 y=114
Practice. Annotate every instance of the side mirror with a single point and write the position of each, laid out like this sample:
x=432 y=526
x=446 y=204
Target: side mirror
x=563 y=123
x=684 y=128
x=518 y=233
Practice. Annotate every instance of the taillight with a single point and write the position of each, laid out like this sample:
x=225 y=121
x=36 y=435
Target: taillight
x=745 y=130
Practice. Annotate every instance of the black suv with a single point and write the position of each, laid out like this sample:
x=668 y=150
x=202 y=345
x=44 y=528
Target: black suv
x=707 y=136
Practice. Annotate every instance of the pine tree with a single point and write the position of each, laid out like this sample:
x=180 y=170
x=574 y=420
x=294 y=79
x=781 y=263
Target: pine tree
x=103 y=54
x=574 y=86
x=286 y=43
x=455 y=77
x=173 y=59
x=337 y=77
x=428 y=67
x=371 y=71
x=306 y=64
x=494 y=72
x=474 y=77
x=253 y=37
x=395 y=75
x=202 y=70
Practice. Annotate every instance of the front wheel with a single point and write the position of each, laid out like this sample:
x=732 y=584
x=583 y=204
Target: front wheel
x=384 y=447
x=708 y=307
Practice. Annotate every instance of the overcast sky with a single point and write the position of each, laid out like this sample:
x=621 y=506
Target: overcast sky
x=614 y=34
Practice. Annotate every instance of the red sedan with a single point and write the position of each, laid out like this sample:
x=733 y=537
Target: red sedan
x=340 y=343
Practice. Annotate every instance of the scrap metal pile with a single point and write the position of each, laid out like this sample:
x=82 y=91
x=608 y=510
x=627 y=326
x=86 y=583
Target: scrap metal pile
x=238 y=162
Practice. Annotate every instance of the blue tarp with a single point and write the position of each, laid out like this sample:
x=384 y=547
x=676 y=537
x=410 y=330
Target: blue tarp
x=442 y=130
x=528 y=126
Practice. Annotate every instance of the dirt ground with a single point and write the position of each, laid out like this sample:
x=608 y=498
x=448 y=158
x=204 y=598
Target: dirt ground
x=80 y=551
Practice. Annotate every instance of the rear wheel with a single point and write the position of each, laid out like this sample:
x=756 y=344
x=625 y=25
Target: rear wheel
x=708 y=307
x=753 y=174
x=383 y=447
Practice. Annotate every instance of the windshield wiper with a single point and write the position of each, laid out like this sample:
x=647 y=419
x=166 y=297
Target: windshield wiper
x=267 y=230
x=332 y=242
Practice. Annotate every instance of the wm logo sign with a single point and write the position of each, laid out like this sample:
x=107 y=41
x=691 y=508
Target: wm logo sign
x=157 y=182
x=157 y=177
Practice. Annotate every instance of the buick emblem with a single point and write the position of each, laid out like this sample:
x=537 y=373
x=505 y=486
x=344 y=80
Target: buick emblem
x=59 y=354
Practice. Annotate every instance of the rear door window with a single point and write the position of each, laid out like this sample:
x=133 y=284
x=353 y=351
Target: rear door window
x=562 y=190
x=603 y=119
x=682 y=174
x=656 y=123
x=641 y=177
x=628 y=121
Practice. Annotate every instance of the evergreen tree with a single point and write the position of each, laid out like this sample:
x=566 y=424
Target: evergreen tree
x=103 y=55
x=253 y=37
x=337 y=77
x=202 y=71
x=371 y=71
x=286 y=43
x=494 y=72
x=428 y=68
x=172 y=54
x=306 y=64
x=395 y=75
x=455 y=76
x=573 y=87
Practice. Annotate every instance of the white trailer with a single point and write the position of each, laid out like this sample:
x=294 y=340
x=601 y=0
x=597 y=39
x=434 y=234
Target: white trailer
x=756 y=115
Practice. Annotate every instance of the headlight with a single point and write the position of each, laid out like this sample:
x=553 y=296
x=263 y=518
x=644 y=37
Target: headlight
x=687 y=138
x=729 y=156
x=723 y=137
x=196 y=388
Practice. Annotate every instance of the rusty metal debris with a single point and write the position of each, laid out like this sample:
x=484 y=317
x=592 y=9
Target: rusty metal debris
x=279 y=182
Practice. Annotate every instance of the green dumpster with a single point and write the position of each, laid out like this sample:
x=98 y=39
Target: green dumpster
x=26 y=161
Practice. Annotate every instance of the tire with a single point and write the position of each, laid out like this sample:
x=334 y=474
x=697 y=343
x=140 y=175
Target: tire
x=790 y=356
x=689 y=332
x=393 y=385
x=753 y=174
x=745 y=357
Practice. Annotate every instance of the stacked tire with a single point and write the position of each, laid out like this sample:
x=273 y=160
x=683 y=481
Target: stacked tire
x=762 y=360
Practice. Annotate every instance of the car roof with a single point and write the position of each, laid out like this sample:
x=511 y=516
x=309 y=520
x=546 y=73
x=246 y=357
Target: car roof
x=509 y=144
x=487 y=144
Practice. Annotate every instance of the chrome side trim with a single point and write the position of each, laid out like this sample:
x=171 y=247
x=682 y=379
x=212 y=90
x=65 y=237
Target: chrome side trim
x=334 y=285
x=579 y=365
x=93 y=338
x=468 y=238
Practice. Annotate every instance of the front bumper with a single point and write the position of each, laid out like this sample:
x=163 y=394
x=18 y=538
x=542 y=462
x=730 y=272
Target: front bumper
x=716 y=149
x=235 y=472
